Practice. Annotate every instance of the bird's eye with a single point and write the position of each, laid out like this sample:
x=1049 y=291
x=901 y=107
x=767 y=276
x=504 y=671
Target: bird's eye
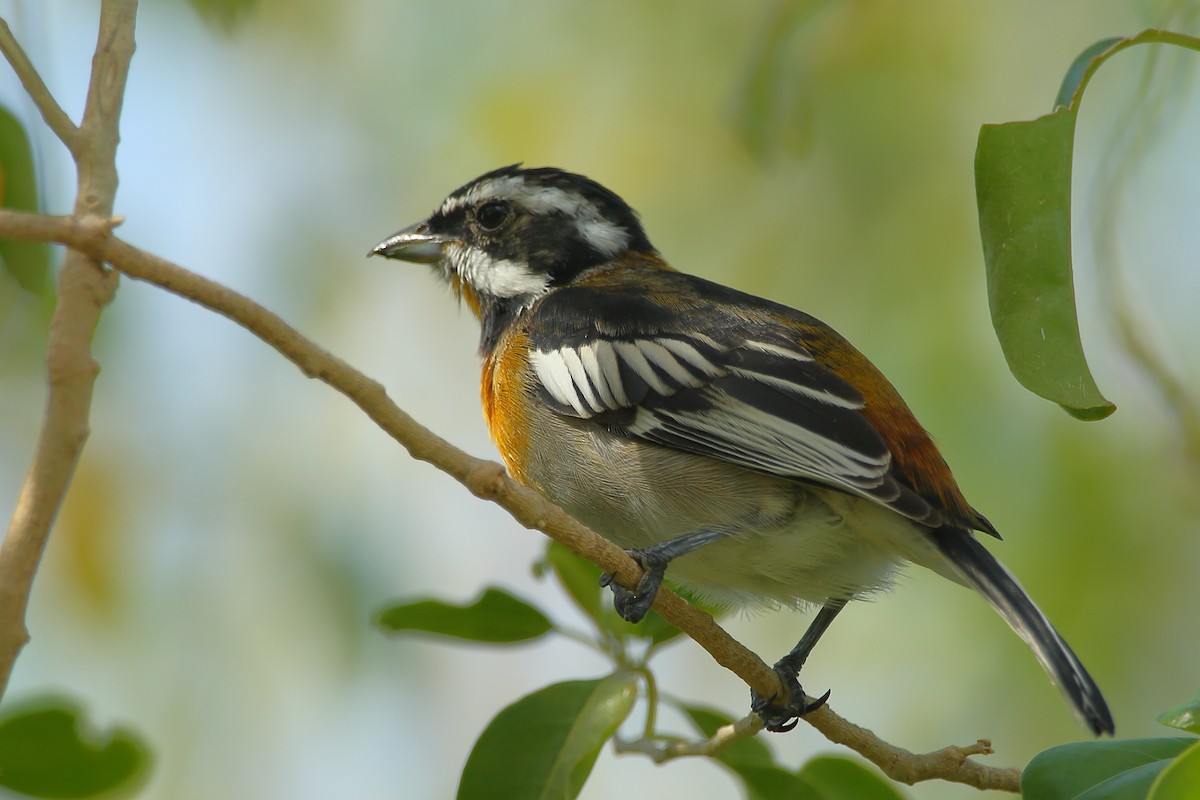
x=492 y=215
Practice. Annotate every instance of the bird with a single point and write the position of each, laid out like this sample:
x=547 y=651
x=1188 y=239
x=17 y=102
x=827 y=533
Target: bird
x=742 y=444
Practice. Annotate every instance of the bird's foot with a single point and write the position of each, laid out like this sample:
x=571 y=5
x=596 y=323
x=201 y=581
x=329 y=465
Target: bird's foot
x=782 y=713
x=633 y=605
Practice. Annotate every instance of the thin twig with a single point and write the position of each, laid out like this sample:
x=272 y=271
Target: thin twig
x=35 y=87
x=951 y=763
x=487 y=480
x=85 y=287
x=662 y=750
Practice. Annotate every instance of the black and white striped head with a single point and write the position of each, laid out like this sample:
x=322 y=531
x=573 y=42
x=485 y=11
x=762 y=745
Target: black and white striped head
x=513 y=234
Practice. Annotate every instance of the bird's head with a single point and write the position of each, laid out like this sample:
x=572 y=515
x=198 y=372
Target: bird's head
x=511 y=235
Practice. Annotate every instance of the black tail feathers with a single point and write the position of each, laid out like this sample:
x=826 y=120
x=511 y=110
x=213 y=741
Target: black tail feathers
x=985 y=574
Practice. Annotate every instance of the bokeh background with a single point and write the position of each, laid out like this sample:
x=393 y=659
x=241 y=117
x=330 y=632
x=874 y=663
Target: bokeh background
x=233 y=526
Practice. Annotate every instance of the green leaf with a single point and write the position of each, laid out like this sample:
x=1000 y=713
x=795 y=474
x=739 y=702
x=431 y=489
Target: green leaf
x=1120 y=770
x=47 y=749
x=752 y=752
x=1023 y=189
x=773 y=783
x=27 y=262
x=710 y=607
x=838 y=778
x=1185 y=717
x=1081 y=69
x=497 y=617
x=1179 y=781
x=224 y=15
x=579 y=577
x=544 y=745
x=656 y=629
x=750 y=760
x=771 y=108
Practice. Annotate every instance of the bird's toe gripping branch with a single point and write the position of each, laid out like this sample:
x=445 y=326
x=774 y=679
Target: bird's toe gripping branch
x=782 y=713
x=632 y=605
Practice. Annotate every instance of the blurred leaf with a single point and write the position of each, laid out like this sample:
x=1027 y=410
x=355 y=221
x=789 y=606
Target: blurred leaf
x=27 y=262
x=713 y=609
x=1181 y=779
x=1121 y=770
x=47 y=750
x=580 y=578
x=656 y=629
x=224 y=15
x=1185 y=717
x=773 y=783
x=752 y=752
x=1023 y=186
x=544 y=745
x=496 y=617
x=751 y=760
x=92 y=528
x=838 y=778
x=770 y=110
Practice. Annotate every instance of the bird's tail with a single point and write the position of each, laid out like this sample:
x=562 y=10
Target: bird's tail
x=983 y=572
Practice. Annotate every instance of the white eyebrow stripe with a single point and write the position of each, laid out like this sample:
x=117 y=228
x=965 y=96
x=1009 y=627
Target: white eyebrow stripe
x=593 y=227
x=496 y=187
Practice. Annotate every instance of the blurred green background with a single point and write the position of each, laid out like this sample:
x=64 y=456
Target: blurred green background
x=232 y=526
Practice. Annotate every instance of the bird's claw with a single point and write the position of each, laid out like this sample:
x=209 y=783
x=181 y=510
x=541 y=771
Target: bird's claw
x=780 y=715
x=633 y=605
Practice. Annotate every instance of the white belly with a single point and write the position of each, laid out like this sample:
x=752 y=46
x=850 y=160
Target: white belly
x=787 y=542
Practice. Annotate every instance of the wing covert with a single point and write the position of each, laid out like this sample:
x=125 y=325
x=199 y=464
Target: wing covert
x=760 y=401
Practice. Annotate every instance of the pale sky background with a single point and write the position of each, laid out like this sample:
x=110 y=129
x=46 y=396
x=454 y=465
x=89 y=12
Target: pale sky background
x=234 y=526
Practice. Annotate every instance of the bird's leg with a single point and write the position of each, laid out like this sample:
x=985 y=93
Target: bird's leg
x=781 y=714
x=633 y=605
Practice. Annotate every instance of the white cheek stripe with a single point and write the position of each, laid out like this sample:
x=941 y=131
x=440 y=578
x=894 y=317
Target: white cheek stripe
x=498 y=277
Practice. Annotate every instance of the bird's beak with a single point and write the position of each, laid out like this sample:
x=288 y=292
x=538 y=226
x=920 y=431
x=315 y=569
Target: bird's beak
x=415 y=243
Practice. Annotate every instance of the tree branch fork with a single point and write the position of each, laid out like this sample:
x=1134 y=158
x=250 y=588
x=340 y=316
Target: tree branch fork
x=488 y=480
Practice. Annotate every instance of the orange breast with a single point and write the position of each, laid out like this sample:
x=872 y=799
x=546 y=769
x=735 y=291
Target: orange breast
x=505 y=402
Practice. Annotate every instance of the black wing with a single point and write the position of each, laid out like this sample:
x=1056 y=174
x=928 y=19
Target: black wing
x=740 y=389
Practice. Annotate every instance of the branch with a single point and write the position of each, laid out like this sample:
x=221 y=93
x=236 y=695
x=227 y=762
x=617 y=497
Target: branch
x=36 y=88
x=487 y=480
x=951 y=763
x=95 y=156
x=85 y=287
